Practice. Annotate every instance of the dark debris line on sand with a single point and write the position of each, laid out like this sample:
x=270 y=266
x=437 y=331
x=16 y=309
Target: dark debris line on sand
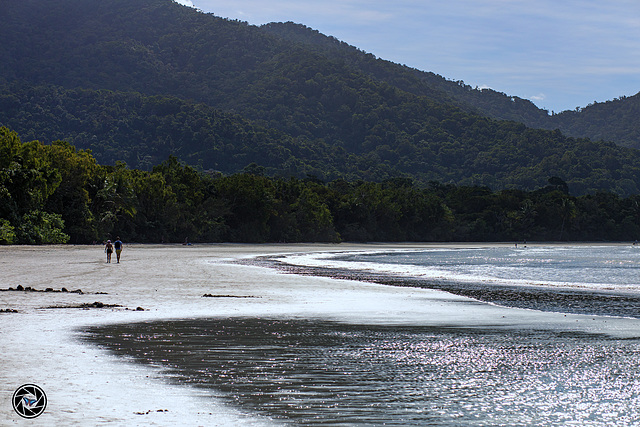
x=574 y=301
x=21 y=288
x=95 y=304
x=228 y=296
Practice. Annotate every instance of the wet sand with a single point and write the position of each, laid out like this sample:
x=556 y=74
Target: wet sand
x=543 y=298
x=86 y=385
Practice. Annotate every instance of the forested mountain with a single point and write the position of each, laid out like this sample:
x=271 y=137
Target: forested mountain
x=486 y=102
x=56 y=194
x=617 y=120
x=139 y=80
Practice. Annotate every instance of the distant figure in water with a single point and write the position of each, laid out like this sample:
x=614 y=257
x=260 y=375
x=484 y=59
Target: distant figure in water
x=109 y=250
x=118 y=247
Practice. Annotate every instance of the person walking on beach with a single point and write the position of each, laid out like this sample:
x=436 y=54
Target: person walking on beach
x=118 y=246
x=109 y=250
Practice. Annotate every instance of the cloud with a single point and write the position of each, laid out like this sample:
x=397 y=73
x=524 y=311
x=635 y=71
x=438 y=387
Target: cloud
x=185 y=2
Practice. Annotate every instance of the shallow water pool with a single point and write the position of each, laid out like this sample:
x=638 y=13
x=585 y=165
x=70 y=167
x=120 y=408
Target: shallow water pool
x=317 y=372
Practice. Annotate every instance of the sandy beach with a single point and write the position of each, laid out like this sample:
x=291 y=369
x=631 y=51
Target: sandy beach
x=86 y=385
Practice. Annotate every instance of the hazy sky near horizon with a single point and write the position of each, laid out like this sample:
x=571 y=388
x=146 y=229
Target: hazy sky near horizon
x=559 y=54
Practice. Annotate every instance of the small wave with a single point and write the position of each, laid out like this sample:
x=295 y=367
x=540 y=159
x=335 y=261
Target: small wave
x=548 y=281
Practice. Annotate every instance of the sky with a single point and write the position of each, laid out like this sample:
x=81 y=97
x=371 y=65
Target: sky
x=560 y=54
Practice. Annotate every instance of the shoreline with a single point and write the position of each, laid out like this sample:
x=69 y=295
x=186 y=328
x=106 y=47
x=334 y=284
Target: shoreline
x=41 y=345
x=598 y=302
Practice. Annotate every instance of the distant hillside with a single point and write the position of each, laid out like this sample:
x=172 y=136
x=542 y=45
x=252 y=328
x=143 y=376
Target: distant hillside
x=487 y=102
x=616 y=120
x=143 y=131
x=138 y=80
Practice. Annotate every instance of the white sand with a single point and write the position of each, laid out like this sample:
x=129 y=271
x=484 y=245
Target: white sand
x=89 y=386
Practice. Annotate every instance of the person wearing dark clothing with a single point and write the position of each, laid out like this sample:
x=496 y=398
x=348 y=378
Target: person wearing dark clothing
x=118 y=247
x=109 y=250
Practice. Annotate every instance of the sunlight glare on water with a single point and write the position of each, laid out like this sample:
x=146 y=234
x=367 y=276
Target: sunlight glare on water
x=328 y=373
x=315 y=372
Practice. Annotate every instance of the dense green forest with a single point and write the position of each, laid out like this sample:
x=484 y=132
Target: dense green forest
x=138 y=81
x=615 y=120
x=56 y=194
x=400 y=136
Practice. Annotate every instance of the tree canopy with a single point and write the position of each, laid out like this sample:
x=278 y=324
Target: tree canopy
x=55 y=194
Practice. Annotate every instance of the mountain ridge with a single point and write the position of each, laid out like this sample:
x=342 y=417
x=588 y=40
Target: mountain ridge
x=501 y=106
x=330 y=110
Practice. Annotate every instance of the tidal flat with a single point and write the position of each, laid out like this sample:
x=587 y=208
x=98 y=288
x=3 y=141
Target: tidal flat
x=458 y=345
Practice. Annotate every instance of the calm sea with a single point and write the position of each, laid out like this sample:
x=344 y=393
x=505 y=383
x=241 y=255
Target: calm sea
x=311 y=372
x=574 y=267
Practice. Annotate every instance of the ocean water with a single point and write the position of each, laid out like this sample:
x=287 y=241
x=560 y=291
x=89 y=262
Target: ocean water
x=323 y=373
x=580 y=279
x=602 y=268
x=315 y=372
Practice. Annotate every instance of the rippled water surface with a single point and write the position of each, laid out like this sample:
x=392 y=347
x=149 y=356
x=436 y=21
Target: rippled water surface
x=590 y=267
x=311 y=372
x=314 y=372
x=599 y=280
